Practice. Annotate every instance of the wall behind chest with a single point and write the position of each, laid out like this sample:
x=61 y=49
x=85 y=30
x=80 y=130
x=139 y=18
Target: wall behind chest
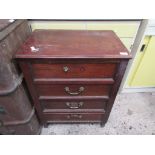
x=141 y=77
x=126 y=30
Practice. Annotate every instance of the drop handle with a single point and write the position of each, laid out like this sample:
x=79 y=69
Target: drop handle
x=80 y=90
x=74 y=116
x=74 y=105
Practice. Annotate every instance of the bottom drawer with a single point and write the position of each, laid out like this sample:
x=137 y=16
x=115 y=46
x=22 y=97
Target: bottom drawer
x=73 y=117
x=51 y=105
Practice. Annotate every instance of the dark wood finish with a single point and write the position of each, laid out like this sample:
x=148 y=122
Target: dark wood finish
x=69 y=104
x=72 y=44
x=73 y=76
x=59 y=90
x=73 y=117
x=74 y=80
x=104 y=70
x=73 y=97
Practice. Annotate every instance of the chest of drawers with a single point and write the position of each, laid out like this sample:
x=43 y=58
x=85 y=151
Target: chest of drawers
x=73 y=76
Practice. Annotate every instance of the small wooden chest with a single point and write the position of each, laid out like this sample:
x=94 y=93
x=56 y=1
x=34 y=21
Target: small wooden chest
x=73 y=76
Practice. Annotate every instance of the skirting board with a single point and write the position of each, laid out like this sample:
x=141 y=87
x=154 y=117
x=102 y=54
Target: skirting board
x=138 y=89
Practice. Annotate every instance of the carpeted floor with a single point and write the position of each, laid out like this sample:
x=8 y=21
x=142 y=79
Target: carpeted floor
x=132 y=113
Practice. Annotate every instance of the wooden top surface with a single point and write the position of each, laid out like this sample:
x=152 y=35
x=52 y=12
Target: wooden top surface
x=72 y=44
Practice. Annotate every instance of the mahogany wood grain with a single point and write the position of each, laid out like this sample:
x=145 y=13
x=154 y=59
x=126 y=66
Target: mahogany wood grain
x=73 y=117
x=73 y=44
x=96 y=61
x=73 y=97
x=73 y=80
x=59 y=90
x=72 y=104
x=104 y=70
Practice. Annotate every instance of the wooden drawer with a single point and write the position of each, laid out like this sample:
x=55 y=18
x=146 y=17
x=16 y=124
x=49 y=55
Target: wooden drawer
x=73 y=117
x=73 y=90
x=103 y=70
x=75 y=104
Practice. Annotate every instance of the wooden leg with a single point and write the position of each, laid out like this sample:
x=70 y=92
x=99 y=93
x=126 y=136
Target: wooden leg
x=45 y=125
x=102 y=124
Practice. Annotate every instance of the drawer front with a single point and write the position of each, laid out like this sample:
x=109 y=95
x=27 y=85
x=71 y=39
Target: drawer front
x=58 y=104
x=74 y=117
x=73 y=90
x=103 y=70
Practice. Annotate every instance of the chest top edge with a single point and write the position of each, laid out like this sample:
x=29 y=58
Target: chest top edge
x=73 y=44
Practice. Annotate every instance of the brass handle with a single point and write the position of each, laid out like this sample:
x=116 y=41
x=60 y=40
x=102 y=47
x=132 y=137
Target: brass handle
x=74 y=105
x=65 y=69
x=77 y=116
x=81 y=89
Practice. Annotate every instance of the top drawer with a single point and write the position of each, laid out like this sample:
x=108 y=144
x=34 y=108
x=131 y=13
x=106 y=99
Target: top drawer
x=68 y=70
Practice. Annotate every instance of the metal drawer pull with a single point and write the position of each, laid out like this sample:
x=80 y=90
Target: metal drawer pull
x=74 y=105
x=81 y=89
x=77 y=116
x=2 y=110
x=65 y=69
